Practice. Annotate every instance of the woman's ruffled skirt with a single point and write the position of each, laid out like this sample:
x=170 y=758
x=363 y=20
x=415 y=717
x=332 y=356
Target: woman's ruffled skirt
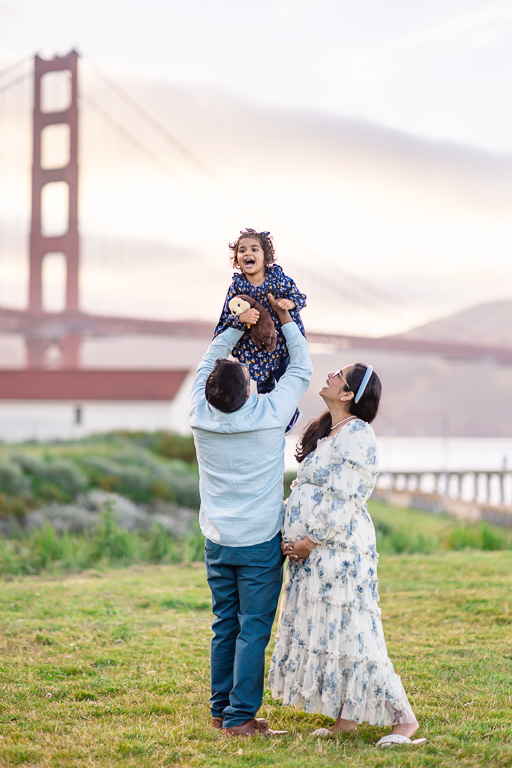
x=330 y=653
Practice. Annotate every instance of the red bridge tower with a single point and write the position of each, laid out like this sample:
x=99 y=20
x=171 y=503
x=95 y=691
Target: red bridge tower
x=67 y=243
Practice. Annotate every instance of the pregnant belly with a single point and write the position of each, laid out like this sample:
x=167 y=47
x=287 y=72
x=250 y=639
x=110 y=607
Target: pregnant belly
x=297 y=512
x=354 y=527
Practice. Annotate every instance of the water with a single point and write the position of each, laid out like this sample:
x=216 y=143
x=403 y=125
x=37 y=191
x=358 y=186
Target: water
x=436 y=454
x=441 y=454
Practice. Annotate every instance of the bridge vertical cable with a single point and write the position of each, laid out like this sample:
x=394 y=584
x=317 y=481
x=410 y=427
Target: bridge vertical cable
x=15 y=158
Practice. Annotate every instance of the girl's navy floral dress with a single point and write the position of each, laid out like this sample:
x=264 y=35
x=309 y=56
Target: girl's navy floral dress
x=330 y=655
x=263 y=365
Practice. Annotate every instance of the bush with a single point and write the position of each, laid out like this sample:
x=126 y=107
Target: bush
x=397 y=541
x=30 y=464
x=141 y=478
x=141 y=459
x=66 y=476
x=15 y=506
x=12 y=480
x=193 y=546
x=477 y=537
x=55 y=479
x=110 y=543
x=185 y=487
x=46 y=547
x=167 y=444
x=289 y=477
x=158 y=545
x=97 y=467
x=134 y=482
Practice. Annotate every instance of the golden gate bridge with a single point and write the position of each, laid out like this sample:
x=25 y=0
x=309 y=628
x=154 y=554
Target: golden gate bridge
x=68 y=327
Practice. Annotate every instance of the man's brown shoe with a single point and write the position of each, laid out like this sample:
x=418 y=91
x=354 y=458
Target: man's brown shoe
x=252 y=728
x=217 y=722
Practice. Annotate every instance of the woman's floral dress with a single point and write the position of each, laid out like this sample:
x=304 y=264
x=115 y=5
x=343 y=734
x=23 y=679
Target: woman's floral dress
x=330 y=653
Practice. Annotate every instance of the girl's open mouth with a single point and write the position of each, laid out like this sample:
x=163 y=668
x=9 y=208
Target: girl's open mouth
x=249 y=262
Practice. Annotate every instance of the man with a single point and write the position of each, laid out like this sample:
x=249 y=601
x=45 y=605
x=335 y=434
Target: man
x=239 y=440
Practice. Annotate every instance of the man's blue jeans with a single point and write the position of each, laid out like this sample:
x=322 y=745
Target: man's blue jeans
x=245 y=584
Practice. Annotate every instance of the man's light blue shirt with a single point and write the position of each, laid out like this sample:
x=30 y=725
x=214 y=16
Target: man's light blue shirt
x=241 y=454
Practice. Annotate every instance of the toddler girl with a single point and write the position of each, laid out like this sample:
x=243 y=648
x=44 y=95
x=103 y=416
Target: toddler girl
x=254 y=257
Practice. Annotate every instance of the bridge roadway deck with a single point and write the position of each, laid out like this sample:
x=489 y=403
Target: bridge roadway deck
x=47 y=325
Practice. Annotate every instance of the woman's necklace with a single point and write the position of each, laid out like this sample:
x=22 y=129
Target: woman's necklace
x=341 y=422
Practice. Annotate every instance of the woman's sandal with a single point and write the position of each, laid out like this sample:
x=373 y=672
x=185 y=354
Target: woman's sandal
x=331 y=733
x=392 y=739
x=323 y=733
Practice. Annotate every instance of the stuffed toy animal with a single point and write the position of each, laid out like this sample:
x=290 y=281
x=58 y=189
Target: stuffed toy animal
x=263 y=332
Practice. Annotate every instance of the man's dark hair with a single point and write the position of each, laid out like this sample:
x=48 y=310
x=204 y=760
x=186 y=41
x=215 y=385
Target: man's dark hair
x=226 y=386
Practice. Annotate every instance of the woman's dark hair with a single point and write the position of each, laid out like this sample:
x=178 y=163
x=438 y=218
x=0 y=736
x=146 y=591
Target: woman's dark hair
x=266 y=242
x=366 y=409
x=226 y=386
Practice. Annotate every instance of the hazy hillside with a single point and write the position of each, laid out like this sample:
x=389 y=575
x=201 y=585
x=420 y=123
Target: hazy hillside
x=430 y=396
x=483 y=324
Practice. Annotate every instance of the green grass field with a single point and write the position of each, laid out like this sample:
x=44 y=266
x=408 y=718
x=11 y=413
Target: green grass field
x=111 y=668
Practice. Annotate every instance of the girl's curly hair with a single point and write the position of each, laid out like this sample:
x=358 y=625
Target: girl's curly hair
x=266 y=242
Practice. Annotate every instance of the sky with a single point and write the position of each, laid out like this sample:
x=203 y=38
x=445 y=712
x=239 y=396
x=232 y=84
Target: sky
x=374 y=140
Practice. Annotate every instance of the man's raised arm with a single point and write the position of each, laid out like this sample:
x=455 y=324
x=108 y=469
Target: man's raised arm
x=294 y=382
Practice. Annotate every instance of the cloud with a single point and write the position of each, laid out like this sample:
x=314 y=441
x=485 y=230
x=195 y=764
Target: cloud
x=239 y=138
x=345 y=199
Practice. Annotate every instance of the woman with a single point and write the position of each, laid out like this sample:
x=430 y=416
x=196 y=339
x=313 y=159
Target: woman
x=330 y=656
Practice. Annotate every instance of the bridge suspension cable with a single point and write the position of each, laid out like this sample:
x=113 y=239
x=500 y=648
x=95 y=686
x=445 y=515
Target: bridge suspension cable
x=156 y=125
x=169 y=138
x=148 y=153
x=9 y=69
x=15 y=65
x=361 y=290
x=20 y=79
x=345 y=283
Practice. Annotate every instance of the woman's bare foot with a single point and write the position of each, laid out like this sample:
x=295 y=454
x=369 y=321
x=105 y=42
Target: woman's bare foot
x=405 y=729
x=344 y=725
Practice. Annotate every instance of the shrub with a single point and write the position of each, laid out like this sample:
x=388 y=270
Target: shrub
x=46 y=546
x=12 y=480
x=141 y=477
x=167 y=444
x=135 y=482
x=97 y=467
x=382 y=528
x=15 y=506
x=111 y=543
x=66 y=476
x=193 y=546
x=396 y=541
x=289 y=477
x=185 y=487
x=54 y=479
x=477 y=537
x=139 y=458
x=160 y=547
x=9 y=563
x=30 y=464
x=49 y=492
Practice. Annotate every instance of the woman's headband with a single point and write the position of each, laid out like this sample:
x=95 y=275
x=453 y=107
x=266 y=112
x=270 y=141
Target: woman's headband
x=366 y=378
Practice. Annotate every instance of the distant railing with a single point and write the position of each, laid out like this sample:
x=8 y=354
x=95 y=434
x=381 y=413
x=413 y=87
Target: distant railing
x=473 y=494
